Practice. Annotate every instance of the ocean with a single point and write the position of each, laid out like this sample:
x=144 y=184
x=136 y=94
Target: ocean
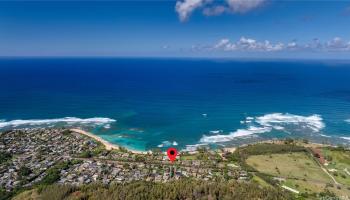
x=156 y=103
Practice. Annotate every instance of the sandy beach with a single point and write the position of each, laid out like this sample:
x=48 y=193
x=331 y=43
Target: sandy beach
x=108 y=145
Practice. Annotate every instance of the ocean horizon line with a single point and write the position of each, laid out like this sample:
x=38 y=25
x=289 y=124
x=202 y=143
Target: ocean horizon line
x=200 y=58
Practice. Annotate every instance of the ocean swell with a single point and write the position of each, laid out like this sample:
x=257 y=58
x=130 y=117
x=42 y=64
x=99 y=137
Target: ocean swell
x=96 y=121
x=266 y=123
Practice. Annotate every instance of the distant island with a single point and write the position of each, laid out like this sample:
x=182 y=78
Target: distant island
x=58 y=163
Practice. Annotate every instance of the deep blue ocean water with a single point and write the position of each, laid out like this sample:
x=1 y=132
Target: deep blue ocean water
x=163 y=102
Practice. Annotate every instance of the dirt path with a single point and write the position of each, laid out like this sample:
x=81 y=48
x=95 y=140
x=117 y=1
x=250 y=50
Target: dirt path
x=330 y=176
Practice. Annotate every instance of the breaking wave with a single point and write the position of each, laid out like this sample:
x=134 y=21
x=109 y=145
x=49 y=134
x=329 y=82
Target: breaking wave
x=278 y=120
x=96 y=121
x=266 y=123
x=167 y=144
x=193 y=147
x=239 y=133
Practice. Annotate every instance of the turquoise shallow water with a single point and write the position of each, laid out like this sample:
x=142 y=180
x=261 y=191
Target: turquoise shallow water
x=146 y=103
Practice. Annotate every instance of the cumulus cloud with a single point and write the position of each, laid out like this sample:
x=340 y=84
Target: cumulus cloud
x=184 y=8
x=215 y=10
x=249 y=44
x=242 y=6
x=338 y=44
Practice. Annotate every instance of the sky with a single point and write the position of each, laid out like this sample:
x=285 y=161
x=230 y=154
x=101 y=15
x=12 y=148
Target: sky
x=176 y=28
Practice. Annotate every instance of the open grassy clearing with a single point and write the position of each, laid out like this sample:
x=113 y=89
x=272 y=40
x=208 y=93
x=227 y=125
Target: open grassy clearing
x=338 y=164
x=188 y=157
x=289 y=165
x=261 y=181
x=301 y=172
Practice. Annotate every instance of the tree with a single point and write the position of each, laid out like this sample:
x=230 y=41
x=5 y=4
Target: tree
x=24 y=171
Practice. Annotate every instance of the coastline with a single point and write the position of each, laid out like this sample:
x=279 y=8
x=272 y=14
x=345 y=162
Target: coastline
x=108 y=145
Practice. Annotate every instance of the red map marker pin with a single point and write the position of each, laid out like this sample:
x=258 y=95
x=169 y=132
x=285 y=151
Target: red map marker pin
x=172 y=153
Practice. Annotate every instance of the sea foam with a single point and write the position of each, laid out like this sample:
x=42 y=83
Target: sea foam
x=239 y=133
x=269 y=122
x=279 y=120
x=48 y=122
x=346 y=138
x=167 y=144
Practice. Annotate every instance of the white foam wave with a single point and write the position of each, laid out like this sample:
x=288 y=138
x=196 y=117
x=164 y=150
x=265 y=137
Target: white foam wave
x=323 y=135
x=167 y=144
x=347 y=120
x=66 y=120
x=216 y=131
x=239 y=133
x=346 y=138
x=269 y=122
x=278 y=120
x=193 y=147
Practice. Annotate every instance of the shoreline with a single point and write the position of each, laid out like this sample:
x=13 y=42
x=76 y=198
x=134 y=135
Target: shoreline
x=108 y=145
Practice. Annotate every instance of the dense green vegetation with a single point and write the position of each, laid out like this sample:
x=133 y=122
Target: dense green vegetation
x=53 y=174
x=4 y=156
x=181 y=189
x=4 y=195
x=24 y=171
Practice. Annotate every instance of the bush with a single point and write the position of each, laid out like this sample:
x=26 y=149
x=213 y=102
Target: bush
x=24 y=171
x=66 y=132
x=181 y=189
x=4 y=156
x=86 y=154
x=53 y=174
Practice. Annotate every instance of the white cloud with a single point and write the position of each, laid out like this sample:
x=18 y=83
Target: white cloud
x=184 y=8
x=215 y=10
x=338 y=44
x=249 y=44
x=225 y=44
x=242 y=6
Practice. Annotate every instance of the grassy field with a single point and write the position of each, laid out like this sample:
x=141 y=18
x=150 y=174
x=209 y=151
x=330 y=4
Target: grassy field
x=290 y=165
x=188 y=157
x=300 y=171
x=339 y=161
x=261 y=181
